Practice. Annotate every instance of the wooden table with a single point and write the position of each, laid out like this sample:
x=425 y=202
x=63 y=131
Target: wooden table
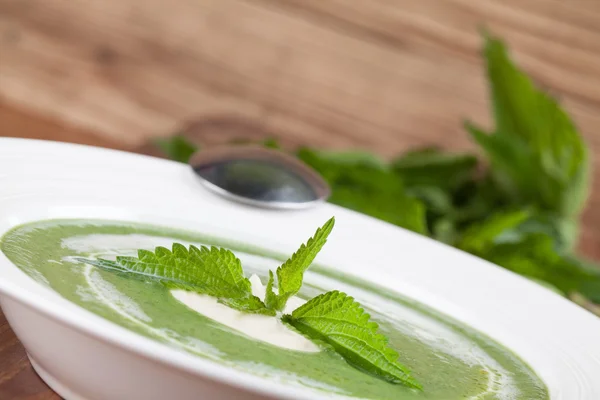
x=383 y=75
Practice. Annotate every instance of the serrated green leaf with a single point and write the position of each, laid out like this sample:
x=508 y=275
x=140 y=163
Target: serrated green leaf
x=213 y=271
x=338 y=320
x=177 y=148
x=291 y=273
x=537 y=156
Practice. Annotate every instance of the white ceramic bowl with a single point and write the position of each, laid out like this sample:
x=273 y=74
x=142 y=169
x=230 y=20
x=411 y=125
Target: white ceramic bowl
x=82 y=356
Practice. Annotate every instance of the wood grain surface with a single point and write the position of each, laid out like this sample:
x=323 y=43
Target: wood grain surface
x=384 y=75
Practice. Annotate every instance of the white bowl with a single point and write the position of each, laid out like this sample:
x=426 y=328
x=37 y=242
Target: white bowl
x=83 y=356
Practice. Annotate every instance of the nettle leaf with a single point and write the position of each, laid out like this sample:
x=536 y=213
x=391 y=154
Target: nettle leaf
x=537 y=155
x=338 y=320
x=291 y=273
x=213 y=271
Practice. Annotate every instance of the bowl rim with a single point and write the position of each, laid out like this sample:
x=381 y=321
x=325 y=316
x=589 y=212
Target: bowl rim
x=522 y=309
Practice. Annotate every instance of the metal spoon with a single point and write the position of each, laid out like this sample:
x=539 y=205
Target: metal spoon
x=260 y=177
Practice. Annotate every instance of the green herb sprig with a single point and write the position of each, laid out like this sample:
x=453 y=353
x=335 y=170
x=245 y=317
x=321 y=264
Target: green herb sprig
x=333 y=317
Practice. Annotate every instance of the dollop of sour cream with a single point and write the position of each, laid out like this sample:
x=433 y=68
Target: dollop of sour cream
x=260 y=327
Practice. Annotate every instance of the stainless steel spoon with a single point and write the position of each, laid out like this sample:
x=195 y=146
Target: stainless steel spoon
x=260 y=177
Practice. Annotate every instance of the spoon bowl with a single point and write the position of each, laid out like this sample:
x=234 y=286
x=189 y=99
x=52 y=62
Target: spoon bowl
x=260 y=177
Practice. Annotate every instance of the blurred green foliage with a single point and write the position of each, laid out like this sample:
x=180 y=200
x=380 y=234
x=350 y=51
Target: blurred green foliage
x=517 y=206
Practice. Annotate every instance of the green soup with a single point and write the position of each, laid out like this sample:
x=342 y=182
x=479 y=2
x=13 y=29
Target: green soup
x=451 y=360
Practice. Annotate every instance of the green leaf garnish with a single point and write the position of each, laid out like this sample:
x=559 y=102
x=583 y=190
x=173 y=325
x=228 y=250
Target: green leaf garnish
x=333 y=317
x=338 y=320
x=213 y=271
x=290 y=274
